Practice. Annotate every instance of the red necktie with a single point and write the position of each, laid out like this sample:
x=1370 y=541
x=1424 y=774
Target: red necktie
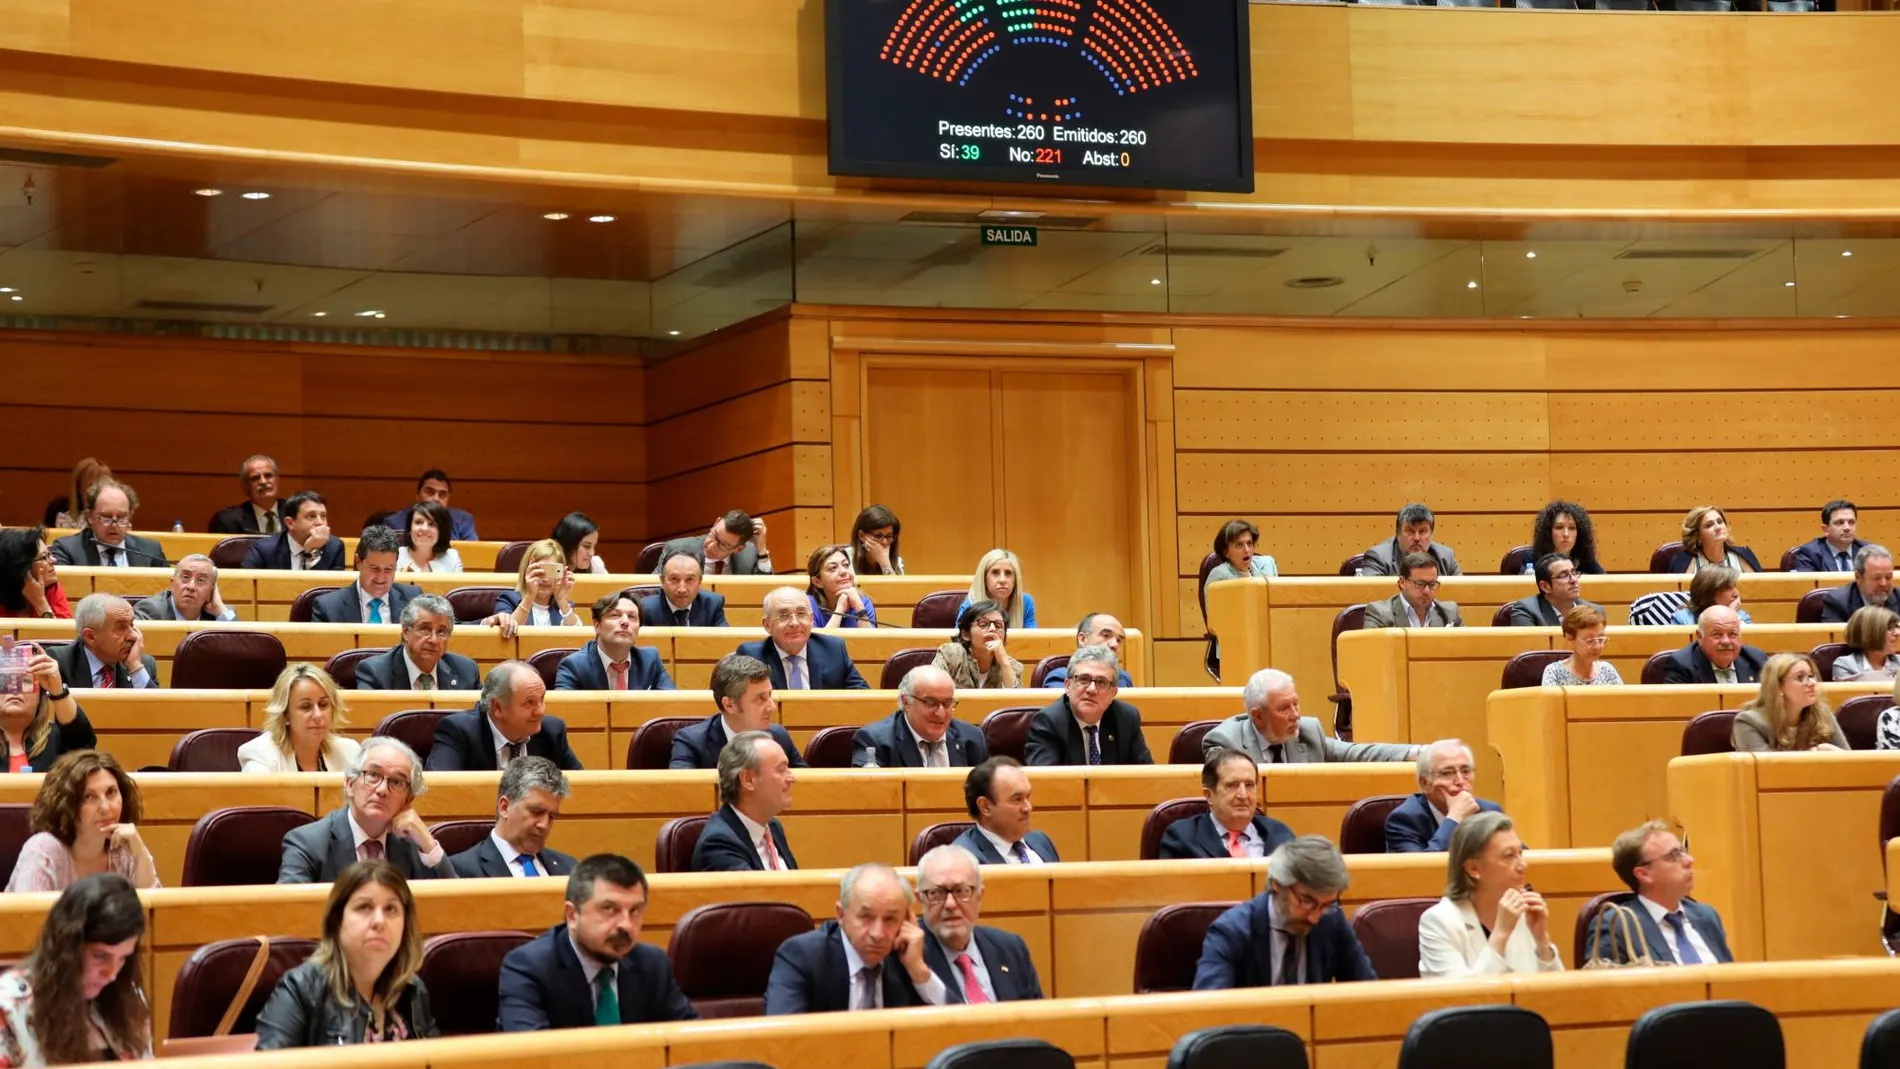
x=372 y=850
x=106 y=678
x=1235 y=848
x=972 y=987
x=619 y=669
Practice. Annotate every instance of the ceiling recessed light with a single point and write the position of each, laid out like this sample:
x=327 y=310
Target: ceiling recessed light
x=600 y=218
x=1787 y=283
x=1154 y=282
x=380 y=315
x=17 y=297
x=209 y=192
x=1836 y=317
x=257 y=194
x=367 y=312
x=672 y=333
x=554 y=216
x=1847 y=252
x=319 y=314
x=1531 y=255
x=1472 y=285
x=6 y=289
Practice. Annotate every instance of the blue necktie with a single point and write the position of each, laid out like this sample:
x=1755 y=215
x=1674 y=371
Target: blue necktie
x=1021 y=852
x=1685 y=950
x=376 y=611
x=527 y=866
x=1095 y=745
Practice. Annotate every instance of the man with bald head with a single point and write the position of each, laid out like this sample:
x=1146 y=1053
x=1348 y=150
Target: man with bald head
x=1096 y=629
x=511 y=720
x=870 y=958
x=1273 y=732
x=980 y=964
x=1717 y=655
x=193 y=595
x=111 y=649
x=797 y=658
x=924 y=732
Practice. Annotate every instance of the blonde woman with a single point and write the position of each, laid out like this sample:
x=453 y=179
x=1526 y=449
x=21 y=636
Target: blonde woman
x=1705 y=541
x=543 y=595
x=1789 y=713
x=999 y=578
x=85 y=473
x=1874 y=633
x=1490 y=921
x=302 y=726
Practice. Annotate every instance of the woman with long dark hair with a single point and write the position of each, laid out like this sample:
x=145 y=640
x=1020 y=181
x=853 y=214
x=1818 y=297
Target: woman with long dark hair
x=29 y=576
x=874 y=542
x=76 y=998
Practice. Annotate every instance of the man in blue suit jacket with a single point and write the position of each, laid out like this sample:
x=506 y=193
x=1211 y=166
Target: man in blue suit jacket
x=1231 y=827
x=428 y=623
x=975 y=963
x=798 y=659
x=925 y=717
x=526 y=803
x=592 y=969
x=996 y=793
x=613 y=653
x=306 y=535
x=375 y=597
x=680 y=602
x=1660 y=872
x=509 y=721
x=755 y=786
x=870 y=958
x=434 y=486
x=1293 y=933
x=1834 y=551
x=1426 y=820
x=742 y=689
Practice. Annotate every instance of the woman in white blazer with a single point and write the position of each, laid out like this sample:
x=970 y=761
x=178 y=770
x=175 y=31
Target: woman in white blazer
x=1489 y=922
x=301 y=726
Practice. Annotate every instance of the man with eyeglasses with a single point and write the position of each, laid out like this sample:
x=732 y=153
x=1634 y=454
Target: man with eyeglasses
x=1088 y=725
x=1559 y=589
x=924 y=732
x=734 y=546
x=193 y=595
x=421 y=661
x=1291 y=933
x=982 y=964
x=1425 y=821
x=1416 y=604
x=377 y=820
x=742 y=691
x=107 y=541
x=1272 y=731
x=870 y=958
x=797 y=658
x=1660 y=873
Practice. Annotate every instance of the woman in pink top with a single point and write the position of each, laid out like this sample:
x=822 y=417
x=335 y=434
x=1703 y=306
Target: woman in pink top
x=85 y=821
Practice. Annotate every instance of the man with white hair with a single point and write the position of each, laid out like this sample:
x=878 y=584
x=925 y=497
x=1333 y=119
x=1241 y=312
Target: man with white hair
x=193 y=595
x=1426 y=820
x=981 y=964
x=110 y=651
x=377 y=821
x=924 y=732
x=1273 y=732
x=799 y=659
x=870 y=958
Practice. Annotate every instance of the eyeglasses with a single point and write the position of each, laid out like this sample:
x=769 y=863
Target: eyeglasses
x=443 y=633
x=880 y=539
x=939 y=705
x=1091 y=682
x=1599 y=642
x=113 y=521
x=1447 y=775
x=792 y=616
x=1677 y=854
x=1424 y=584
x=1306 y=902
x=1563 y=577
x=732 y=547
x=374 y=779
x=936 y=896
x=988 y=624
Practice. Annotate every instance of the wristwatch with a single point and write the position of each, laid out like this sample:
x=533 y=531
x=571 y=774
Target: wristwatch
x=61 y=696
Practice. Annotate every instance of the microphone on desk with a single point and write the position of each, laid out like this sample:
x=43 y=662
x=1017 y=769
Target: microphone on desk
x=865 y=618
x=133 y=553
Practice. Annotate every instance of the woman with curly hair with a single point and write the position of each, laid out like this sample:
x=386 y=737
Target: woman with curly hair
x=1564 y=527
x=77 y=998
x=85 y=821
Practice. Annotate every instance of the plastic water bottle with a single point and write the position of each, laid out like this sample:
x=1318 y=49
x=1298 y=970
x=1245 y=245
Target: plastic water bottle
x=178 y=527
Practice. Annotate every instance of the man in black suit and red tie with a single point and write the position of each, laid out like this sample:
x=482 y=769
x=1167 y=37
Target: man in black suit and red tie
x=981 y=964
x=755 y=786
x=510 y=721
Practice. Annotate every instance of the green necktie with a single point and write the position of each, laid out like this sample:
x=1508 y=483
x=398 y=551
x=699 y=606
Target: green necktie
x=606 y=999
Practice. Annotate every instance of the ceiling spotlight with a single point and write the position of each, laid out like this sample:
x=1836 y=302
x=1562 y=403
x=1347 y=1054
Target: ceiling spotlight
x=1847 y=252
x=380 y=315
x=1787 y=283
x=600 y=218
x=17 y=297
x=554 y=217
x=368 y=312
x=1472 y=285
x=672 y=333
x=1154 y=282
x=209 y=192
x=1531 y=255
x=319 y=314
x=6 y=289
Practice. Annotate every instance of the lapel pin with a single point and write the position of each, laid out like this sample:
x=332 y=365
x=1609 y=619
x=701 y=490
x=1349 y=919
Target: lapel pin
x=1111 y=738
x=1005 y=968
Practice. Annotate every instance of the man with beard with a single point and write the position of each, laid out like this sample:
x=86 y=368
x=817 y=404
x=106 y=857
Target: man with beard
x=1292 y=933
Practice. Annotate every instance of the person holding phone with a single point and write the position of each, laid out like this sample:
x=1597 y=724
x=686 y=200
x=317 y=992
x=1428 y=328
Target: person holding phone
x=543 y=595
x=39 y=718
x=377 y=820
x=85 y=821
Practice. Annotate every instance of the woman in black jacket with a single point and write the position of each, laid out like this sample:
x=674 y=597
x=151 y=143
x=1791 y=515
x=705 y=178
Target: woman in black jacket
x=39 y=717
x=360 y=985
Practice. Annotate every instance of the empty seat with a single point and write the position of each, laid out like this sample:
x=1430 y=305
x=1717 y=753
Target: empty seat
x=1388 y=931
x=1889 y=828
x=936 y=835
x=1239 y=1046
x=16 y=827
x=547 y=663
x=240 y=846
x=1527 y=669
x=1007 y=730
x=1003 y=1054
x=414 y=728
x=1357 y=561
x=459 y=835
x=1350 y=618
x=1880 y=1047
x=1153 y=828
x=508 y=558
x=1656 y=668
x=1726 y=1032
x=1825 y=655
x=673 y=852
x=462 y=971
x=228 y=660
x=473 y=604
x=1186 y=747
x=1169 y=946
x=1808 y=609
x=209 y=750
x=647 y=561
x=1660 y=557
x=1501 y=616
x=209 y=980
x=938 y=609
x=1859 y=718
x=230 y=552
x=1040 y=676
x=1211 y=659
x=342 y=666
x=901 y=662
x=830 y=747
x=1362 y=829
x=651 y=747
x=1710 y=732
x=722 y=953
x=1478 y=1037
x=1518 y=557
x=300 y=605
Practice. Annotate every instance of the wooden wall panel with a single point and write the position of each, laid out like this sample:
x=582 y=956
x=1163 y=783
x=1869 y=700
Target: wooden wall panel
x=931 y=448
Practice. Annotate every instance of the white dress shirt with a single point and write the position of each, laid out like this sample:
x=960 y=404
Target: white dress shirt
x=140 y=679
x=758 y=833
x=429 y=860
x=544 y=615
x=267 y=520
x=501 y=744
x=364 y=601
x=512 y=858
x=414 y=673
x=1657 y=913
x=931 y=991
x=1007 y=849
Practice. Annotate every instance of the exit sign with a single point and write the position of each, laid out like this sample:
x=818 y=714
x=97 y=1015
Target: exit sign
x=1009 y=235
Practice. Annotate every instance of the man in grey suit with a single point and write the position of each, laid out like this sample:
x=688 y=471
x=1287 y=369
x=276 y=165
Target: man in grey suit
x=377 y=820
x=734 y=546
x=1559 y=589
x=1273 y=732
x=193 y=595
x=526 y=803
x=1412 y=533
x=1677 y=929
x=1416 y=604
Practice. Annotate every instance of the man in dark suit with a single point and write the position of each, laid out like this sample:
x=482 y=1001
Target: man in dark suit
x=193 y=594
x=870 y=958
x=1677 y=930
x=924 y=732
x=1559 y=588
x=996 y=793
x=526 y=804
x=107 y=541
x=592 y=969
x=612 y=661
x=1717 y=654
x=1425 y=821
x=1233 y=826
x=1412 y=533
x=1292 y=933
x=1872 y=585
x=110 y=651
x=734 y=546
x=421 y=661
x=305 y=544
x=755 y=786
x=1096 y=629
x=375 y=597
x=1087 y=725
x=433 y=487
x=681 y=602
x=509 y=721
x=377 y=820
x=976 y=964
x=1835 y=550
x=797 y=658
x=742 y=689
x=257 y=513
